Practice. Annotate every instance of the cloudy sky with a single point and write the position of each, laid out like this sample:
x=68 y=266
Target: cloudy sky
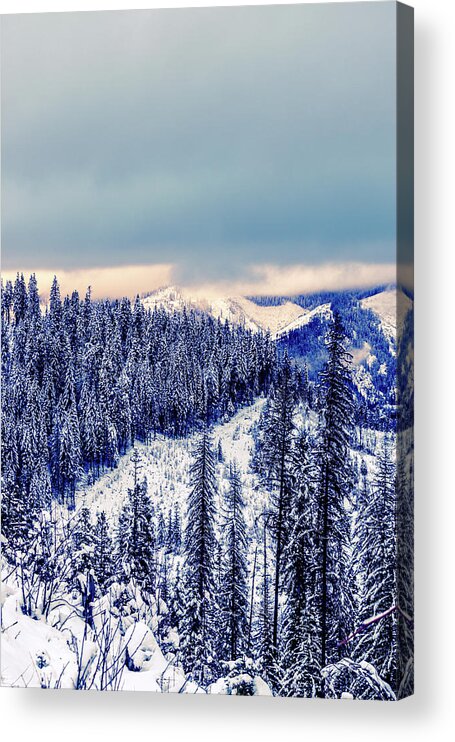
x=250 y=147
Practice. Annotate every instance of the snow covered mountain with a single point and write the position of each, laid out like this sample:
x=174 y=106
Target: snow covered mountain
x=323 y=311
x=237 y=310
x=371 y=323
x=391 y=306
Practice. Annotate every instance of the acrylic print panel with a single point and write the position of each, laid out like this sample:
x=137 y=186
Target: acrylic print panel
x=207 y=313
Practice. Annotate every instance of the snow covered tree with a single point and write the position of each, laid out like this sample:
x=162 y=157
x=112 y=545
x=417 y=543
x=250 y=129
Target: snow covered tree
x=176 y=530
x=141 y=546
x=276 y=463
x=104 y=563
x=69 y=446
x=20 y=299
x=376 y=558
x=161 y=530
x=332 y=455
x=83 y=544
x=234 y=588
x=7 y=301
x=301 y=643
x=198 y=625
x=265 y=649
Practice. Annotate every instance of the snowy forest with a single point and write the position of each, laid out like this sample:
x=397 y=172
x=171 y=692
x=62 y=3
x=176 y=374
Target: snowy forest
x=191 y=505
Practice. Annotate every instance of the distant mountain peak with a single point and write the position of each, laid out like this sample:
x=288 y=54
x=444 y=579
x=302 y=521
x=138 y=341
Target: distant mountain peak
x=237 y=310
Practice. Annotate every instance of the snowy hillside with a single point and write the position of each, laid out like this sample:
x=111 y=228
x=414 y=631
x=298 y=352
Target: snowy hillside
x=238 y=310
x=391 y=310
x=323 y=311
x=279 y=319
x=302 y=331
x=53 y=650
x=244 y=311
x=166 y=464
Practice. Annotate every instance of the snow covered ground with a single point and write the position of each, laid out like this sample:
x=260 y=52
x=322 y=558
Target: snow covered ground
x=165 y=463
x=273 y=318
x=54 y=652
x=238 y=310
x=323 y=311
x=58 y=654
x=391 y=310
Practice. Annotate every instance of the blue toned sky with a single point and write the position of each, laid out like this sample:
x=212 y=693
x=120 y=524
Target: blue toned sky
x=253 y=147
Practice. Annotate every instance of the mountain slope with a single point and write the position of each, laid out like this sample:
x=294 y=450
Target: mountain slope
x=391 y=307
x=237 y=310
x=322 y=312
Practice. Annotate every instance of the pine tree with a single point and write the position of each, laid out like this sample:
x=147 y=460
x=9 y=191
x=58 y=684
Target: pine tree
x=20 y=299
x=266 y=650
x=176 y=530
x=276 y=460
x=142 y=546
x=234 y=589
x=377 y=564
x=122 y=543
x=161 y=530
x=33 y=299
x=83 y=546
x=332 y=454
x=198 y=622
x=301 y=630
x=104 y=566
x=7 y=301
x=69 y=444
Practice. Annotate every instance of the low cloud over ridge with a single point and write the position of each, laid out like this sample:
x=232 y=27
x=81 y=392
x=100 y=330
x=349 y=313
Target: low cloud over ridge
x=266 y=279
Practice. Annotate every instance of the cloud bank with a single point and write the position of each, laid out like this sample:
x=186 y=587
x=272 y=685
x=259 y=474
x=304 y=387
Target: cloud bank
x=112 y=282
x=207 y=138
x=260 y=280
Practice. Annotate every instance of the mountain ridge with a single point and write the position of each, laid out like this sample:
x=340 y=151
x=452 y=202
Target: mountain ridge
x=282 y=318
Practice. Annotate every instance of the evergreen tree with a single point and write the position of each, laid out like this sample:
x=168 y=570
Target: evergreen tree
x=176 y=530
x=69 y=465
x=335 y=487
x=266 y=650
x=122 y=543
x=20 y=299
x=198 y=622
x=33 y=299
x=142 y=538
x=301 y=630
x=161 y=530
x=276 y=462
x=7 y=301
x=376 y=557
x=104 y=564
x=83 y=546
x=234 y=589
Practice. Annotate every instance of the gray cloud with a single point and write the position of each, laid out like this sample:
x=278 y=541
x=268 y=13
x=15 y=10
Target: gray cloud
x=207 y=137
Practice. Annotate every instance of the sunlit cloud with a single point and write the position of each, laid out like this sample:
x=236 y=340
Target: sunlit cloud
x=275 y=280
x=113 y=282
x=258 y=280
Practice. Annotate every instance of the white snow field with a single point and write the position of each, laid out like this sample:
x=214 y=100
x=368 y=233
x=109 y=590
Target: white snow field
x=165 y=463
x=391 y=307
x=238 y=310
x=323 y=311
